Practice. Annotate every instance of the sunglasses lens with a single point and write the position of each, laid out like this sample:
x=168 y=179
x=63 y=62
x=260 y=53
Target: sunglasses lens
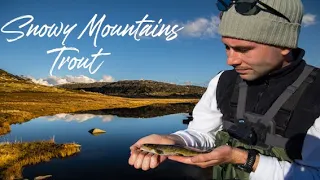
x=244 y=6
x=223 y=5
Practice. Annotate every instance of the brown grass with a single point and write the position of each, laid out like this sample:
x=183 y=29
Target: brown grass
x=14 y=156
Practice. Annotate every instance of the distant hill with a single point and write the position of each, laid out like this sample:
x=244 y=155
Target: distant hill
x=79 y=86
x=10 y=83
x=5 y=76
x=125 y=88
x=139 y=89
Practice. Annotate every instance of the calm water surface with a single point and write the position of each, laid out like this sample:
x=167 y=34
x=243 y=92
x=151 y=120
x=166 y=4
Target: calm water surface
x=104 y=156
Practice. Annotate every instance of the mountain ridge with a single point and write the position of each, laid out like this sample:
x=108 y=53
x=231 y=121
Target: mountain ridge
x=139 y=89
x=122 y=88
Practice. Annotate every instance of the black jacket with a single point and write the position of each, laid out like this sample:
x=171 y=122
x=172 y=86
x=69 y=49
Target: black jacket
x=264 y=91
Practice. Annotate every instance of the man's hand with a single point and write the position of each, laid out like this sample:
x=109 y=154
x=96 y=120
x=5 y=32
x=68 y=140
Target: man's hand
x=144 y=160
x=220 y=155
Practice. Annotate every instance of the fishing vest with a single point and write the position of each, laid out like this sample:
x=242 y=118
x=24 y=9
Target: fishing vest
x=262 y=132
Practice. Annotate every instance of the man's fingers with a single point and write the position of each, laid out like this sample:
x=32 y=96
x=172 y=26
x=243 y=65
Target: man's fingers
x=146 y=162
x=162 y=158
x=185 y=160
x=154 y=161
x=207 y=163
x=205 y=157
x=133 y=157
x=139 y=160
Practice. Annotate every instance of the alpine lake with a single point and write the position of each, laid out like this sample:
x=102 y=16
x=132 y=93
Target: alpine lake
x=105 y=156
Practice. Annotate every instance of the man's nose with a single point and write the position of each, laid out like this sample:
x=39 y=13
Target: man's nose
x=234 y=58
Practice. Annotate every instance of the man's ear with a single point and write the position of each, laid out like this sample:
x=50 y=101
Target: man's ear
x=285 y=51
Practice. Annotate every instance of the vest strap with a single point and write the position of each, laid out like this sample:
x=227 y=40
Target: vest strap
x=286 y=94
x=242 y=99
x=276 y=140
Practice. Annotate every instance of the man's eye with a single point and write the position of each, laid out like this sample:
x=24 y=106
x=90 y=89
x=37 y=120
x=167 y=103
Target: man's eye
x=243 y=50
x=227 y=47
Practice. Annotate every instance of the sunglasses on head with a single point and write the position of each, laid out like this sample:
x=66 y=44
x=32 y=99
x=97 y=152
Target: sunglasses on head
x=247 y=7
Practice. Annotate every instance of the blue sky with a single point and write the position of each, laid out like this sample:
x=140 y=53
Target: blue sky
x=195 y=56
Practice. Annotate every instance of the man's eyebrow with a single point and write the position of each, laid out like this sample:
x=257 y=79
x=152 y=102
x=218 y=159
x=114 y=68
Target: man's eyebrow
x=240 y=47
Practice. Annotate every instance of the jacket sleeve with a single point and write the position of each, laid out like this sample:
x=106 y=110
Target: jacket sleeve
x=270 y=168
x=206 y=121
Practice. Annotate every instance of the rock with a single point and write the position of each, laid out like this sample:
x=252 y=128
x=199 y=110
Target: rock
x=42 y=177
x=96 y=131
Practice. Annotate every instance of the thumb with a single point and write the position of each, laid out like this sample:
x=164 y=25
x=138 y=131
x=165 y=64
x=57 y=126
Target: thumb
x=138 y=144
x=135 y=146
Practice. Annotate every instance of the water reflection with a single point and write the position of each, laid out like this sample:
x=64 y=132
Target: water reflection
x=146 y=111
x=106 y=156
x=79 y=117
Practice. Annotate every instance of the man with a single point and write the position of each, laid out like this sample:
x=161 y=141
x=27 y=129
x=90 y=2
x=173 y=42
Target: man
x=262 y=118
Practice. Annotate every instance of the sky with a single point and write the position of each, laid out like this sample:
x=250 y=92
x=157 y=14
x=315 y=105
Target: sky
x=190 y=52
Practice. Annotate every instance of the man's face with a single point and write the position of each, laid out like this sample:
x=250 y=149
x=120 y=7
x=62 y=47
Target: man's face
x=252 y=60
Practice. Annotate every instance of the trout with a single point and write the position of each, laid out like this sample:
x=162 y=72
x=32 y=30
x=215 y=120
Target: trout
x=168 y=150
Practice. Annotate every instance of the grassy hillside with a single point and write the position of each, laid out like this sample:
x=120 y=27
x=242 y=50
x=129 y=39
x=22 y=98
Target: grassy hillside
x=79 y=86
x=140 y=89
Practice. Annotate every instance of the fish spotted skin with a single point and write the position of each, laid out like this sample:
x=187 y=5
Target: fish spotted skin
x=166 y=149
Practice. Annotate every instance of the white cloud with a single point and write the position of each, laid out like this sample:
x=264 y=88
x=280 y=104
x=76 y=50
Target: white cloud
x=106 y=118
x=40 y=81
x=107 y=78
x=201 y=27
x=79 y=79
x=79 y=117
x=308 y=20
x=54 y=80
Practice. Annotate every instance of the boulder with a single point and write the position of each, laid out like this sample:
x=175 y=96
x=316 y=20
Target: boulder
x=42 y=177
x=96 y=131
